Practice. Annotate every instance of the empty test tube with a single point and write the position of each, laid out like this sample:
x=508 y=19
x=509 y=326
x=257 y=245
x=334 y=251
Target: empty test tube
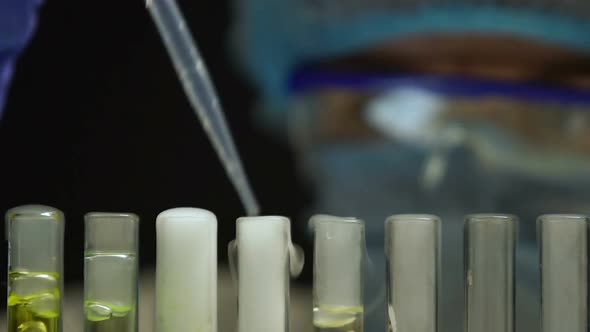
x=110 y=272
x=412 y=248
x=564 y=272
x=338 y=274
x=490 y=247
x=265 y=258
x=35 y=268
x=186 y=271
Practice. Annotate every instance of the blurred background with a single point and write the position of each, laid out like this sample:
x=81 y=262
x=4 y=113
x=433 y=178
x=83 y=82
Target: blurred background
x=354 y=108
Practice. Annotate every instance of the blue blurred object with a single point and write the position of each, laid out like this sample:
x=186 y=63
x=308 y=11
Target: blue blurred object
x=17 y=23
x=274 y=37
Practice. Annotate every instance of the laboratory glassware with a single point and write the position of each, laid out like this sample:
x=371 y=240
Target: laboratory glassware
x=197 y=85
x=412 y=248
x=339 y=251
x=563 y=242
x=263 y=258
x=35 y=268
x=490 y=248
x=186 y=271
x=111 y=272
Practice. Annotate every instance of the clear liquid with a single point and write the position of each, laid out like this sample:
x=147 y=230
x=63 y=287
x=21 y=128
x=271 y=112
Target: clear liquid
x=33 y=302
x=101 y=317
x=110 y=292
x=342 y=319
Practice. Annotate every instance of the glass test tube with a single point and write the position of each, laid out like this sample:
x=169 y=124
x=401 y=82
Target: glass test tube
x=490 y=247
x=186 y=271
x=563 y=241
x=110 y=272
x=35 y=268
x=412 y=248
x=338 y=274
x=264 y=259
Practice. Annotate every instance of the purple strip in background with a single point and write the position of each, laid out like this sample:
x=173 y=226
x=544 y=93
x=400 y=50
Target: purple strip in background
x=5 y=75
x=452 y=86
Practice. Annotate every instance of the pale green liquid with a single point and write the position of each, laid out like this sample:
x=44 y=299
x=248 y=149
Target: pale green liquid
x=110 y=292
x=329 y=319
x=33 y=302
x=101 y=317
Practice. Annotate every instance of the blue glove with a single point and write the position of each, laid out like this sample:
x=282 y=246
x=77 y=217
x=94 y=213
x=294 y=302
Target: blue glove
x=17 y=23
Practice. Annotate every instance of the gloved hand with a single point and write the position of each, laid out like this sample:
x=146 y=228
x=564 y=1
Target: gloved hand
x=17 y=24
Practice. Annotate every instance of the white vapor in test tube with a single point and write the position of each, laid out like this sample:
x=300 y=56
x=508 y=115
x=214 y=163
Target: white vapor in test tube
x=186 y=271
x=339 y=248
x=563 y=241
x=265 y=257
x=490 y=248
x=412 y=248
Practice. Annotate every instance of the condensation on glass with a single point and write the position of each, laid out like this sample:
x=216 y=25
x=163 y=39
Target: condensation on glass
x=35 y=268
x=563 y=241
x=412 y=248
x=490 y=248
x=339 y=250
x=110 y=272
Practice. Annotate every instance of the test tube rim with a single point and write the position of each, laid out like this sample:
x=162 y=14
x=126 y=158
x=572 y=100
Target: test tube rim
x=35 y=210
x=267 y=219
x=413 y=218
x=123 y=215
x=326 y=218
x=490 y=217
x=565 y=217
x=38 y=212
x=196 y=214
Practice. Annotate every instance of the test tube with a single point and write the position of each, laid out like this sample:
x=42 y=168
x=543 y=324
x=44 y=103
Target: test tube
x=490 y=246
x=564 y=272
x=110 y=272
x=186 y=271
x=265 y=259
x=338 y=274
x=35 y=268
x=412 y=249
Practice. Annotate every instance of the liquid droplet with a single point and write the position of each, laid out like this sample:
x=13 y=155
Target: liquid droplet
x=32 y=326
x=97 y=312
x=326 y=319
x=46 y=305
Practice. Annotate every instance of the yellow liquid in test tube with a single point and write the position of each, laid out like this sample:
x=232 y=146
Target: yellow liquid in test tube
x=33 y=302
x=345 y=319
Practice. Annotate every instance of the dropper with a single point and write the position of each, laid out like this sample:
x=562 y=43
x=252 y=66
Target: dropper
x=197 y=85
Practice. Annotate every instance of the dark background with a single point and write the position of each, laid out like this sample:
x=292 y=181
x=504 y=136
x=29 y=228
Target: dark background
x=97 y=121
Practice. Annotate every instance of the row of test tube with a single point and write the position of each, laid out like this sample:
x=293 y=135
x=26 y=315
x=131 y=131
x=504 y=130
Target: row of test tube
x=262 y=259
x=490 y=242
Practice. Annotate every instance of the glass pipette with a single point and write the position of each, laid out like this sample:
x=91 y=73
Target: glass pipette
x=201 y=94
